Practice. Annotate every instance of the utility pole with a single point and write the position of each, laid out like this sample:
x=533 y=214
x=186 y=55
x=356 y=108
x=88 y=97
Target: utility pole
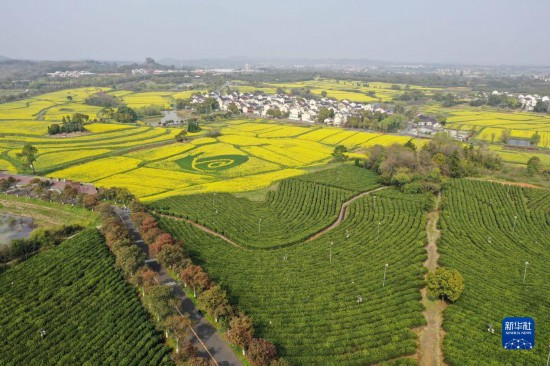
x=378 y=237
x=330 y=252
x=515 y=220
x=385 y=269
x=525 y=271
x=260 y=226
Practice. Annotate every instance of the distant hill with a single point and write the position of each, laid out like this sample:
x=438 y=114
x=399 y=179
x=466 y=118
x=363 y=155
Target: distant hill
x=4 y=58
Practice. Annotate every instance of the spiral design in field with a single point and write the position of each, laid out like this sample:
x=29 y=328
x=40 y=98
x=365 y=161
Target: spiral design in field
x=213 y=163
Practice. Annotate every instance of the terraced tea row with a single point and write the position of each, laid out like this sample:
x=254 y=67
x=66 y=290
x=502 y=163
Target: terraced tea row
x=495 y=235
x=88 y=311
x=305 y=297
x=296 y=210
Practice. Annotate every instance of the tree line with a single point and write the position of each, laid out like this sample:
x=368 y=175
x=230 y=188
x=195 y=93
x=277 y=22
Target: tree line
x=212 y=298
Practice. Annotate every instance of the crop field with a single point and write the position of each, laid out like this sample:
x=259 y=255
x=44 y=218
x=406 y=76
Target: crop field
x=489 y=123
x=303 y=297
x=297 y=209
x=45 y=214
x=489 y=231
x=249 y=154
x=345 y=89
x=75 y=294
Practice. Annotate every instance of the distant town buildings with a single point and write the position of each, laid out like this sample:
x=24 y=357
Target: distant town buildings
x=69 y=74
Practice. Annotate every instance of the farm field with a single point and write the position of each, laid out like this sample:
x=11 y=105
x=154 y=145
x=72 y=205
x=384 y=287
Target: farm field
x=489 y=123
x=352 y=90
x=249 y=154
x=46 y=214
x=481 y=238
x=296 y=210
x=303 y=297
x=75 y=294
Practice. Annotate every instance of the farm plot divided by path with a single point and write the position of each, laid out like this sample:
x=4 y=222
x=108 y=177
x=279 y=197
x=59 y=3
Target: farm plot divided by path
x=299 y=208
x=304 y=297
x=489 y=232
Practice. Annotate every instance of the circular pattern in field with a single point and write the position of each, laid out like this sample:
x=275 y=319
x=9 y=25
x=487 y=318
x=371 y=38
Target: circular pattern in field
x=211 y=164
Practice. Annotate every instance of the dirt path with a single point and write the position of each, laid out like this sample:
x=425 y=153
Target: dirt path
x=342 y=215
x=505 y=182
x=205 y=229
x=430 y=340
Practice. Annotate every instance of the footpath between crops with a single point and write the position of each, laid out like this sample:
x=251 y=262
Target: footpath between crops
x=430 y=337
x=341 y=217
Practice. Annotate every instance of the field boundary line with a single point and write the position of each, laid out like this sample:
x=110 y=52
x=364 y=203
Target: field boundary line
x=343 y=214
x=341 y=217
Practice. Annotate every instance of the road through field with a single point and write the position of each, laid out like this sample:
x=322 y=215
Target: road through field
x=206 y=339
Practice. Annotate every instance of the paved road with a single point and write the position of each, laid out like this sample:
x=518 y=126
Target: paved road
x=207 y=340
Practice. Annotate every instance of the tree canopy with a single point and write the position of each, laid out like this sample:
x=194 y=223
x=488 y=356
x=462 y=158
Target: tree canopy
x=445 y=284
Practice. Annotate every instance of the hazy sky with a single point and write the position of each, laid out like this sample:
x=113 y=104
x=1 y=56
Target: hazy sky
x=466 y=31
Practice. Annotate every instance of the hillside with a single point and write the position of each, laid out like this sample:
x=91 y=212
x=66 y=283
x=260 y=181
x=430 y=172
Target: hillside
x=88 y=311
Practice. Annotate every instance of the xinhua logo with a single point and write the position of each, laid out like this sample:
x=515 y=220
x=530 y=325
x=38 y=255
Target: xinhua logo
x=518 y=333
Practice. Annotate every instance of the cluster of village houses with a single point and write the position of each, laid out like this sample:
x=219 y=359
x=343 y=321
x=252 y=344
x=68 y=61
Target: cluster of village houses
x=307 y=110
x=528 y=102
x=296 y=107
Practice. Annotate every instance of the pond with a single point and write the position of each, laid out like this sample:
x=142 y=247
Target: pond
x=14 y=227
x=170 y=116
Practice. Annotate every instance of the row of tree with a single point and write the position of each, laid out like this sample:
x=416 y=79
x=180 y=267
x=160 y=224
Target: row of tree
x=157 y=299
x=213 y=300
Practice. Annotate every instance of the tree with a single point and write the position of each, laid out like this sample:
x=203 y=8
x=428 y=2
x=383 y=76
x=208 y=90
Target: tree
x=28 y=153
x=535 y=139
x=172 y=256
x=161 y=241
x=338 y=153
x=193 y=126
x=445 y=284
x=410 y=145
x=324 y=93
x=150 y=235
x=90 y=200
x=125 y=114
x=214 y=300
x=279 y=362
x=261 y=352
x=195 y=277
x=130 y=259
x=179 y=327
x=232 y=107
x=180 y=137
x=533 y=165
x=158 y=301
x=505 y=135
x=240 y=331
x=198 y=361
x=146 y=278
